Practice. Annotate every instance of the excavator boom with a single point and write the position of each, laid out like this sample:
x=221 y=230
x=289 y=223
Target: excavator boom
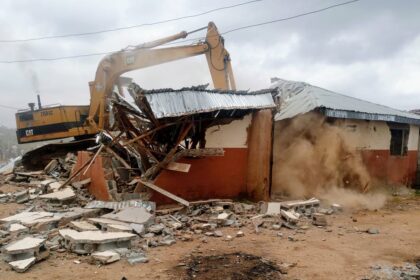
x=83 y=121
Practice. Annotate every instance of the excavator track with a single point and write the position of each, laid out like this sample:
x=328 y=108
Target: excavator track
x=38 y=158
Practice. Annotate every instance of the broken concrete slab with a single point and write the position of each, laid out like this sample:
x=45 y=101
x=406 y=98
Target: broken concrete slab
x=16 y=228
x=296 y=204
x=138 y=228
x=150 y=206
x=82 y=226
x=273 y=208
x=23 y=245
x=106 y=257
x=24 y=249
x=134 y=258
x=22 y=265
x=86 y=242
x=114 y=227
x=290 y=216
x=223 y=216
x=75 y=213
x=21 y=197
x=137 y=215
x=25 y=217
x=103 y=222
x=54 y=186
x=63 y=195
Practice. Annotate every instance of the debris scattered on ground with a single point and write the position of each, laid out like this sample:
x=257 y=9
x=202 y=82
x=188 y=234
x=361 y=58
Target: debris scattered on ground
x=407 y=271
x=62 y=215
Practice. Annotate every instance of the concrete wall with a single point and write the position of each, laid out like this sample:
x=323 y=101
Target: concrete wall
x=373 y=138
x=226 y=176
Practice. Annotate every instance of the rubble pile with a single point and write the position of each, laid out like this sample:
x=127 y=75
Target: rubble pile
x=65 y=219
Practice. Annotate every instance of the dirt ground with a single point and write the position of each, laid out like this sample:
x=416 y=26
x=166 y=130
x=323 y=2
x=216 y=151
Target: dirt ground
x=339 y=251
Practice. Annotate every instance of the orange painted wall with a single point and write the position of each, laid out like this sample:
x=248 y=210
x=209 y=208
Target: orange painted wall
x=97 y=187
x=392 y=169
x=209 y=177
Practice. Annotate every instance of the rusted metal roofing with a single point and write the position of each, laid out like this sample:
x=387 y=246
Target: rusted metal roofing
x=299 y=98
x=173 y=103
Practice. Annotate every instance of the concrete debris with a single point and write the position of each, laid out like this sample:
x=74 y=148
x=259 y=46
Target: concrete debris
x=319 y=219
x=156 y=229
x=167 y=240
x=218 y=233
x=63 y=195
x=67 y=212
x=106 y=257
x=116 y=205
x=299 y=205
x=290 y=216
x=135 y=258
x=137 y=215
x=82 y=226
x=372 y=231
x=23 y=253
x=272 y=208
x=86 y=242
x=21 y=197
x=17 y=228
x=22 y=265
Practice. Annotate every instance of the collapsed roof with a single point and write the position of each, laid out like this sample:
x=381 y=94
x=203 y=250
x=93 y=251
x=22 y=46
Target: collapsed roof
x=167 y=103
x=299 y=98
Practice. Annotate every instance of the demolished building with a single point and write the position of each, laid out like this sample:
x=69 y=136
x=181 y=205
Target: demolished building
x=194 y=143
x=387 y=139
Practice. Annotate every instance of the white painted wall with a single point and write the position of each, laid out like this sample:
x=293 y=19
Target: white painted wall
x=232 y=135
x=373 y=135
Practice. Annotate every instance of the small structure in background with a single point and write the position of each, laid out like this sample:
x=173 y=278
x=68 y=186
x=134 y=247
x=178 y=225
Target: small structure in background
x=387 y=138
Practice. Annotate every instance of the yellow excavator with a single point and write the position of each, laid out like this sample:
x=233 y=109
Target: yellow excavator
x=83 y=121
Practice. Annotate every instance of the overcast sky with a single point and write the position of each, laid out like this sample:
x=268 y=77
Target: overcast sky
x=369 y=49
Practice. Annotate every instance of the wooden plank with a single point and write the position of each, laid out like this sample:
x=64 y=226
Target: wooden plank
x=180 y=167
x=164 y=192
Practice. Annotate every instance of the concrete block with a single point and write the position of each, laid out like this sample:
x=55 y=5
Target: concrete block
x=87 y=242
x=106 y=257
x=300 y=204
x=273 y=208
x=290 y=216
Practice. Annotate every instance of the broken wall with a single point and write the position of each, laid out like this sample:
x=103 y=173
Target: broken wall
x=232 y=175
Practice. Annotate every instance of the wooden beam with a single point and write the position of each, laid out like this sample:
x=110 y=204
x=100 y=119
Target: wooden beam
x=164 y=192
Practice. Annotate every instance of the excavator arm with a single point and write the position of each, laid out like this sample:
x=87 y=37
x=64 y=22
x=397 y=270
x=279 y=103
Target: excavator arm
x=145 y=55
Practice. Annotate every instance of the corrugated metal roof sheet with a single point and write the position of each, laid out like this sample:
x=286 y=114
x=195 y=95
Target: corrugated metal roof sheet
x=299 y=98
x=170 y=103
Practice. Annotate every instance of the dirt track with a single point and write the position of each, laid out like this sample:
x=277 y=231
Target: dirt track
x=342 y=253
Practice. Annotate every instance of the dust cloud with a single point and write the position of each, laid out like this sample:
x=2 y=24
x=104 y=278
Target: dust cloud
x=314 y=158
